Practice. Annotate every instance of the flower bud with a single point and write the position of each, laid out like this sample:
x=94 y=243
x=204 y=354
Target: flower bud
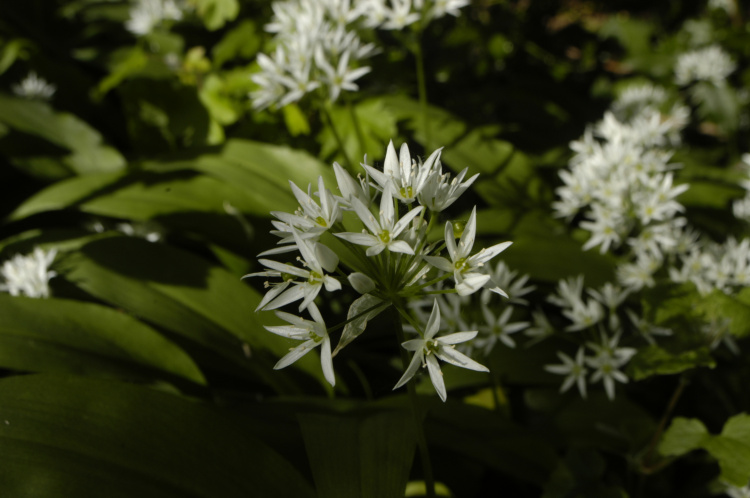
x=361 y=282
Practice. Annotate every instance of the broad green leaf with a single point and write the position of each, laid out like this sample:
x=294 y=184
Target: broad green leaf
x=12 y=50
x=655 y=360
x=87 y=438
x=433 y=127
x=216 y=13
x=364 y=456
x=735 y=308
x=295 y=120
x=683 y=435
x=243 y=41
x=364 y=128
x=148 y=196
x=56 y=335
x=200 y=302
x=478 y=151
x=718 y=103
x=88 y=153
x=125 y=64
x=140 y=196
x=731 y=448
x=64 y=194
x=213 y=95
x=266 y=170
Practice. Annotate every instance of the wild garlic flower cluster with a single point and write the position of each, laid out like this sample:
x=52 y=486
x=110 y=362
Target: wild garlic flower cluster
x=709 y=64
x=621 y=180
x=714 y=266
x=318 y=44
x=478 y=311
x=28 y=275
x=597 y=312
x=147 y=15
x=380 y=248
x=35 y=88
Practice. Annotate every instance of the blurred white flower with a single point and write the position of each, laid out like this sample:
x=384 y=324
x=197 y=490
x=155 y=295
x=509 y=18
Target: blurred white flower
x=608 y=358
x=710 y=64
x=28 y=275
x=34 y=87
x=145 y=15
x=574 y=370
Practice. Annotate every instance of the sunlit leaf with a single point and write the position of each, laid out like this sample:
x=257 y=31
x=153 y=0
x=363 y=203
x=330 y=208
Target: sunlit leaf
x=56 y=335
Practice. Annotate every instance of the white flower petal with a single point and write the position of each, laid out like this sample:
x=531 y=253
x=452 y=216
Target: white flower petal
x=295 y=354
x=436 y=376
x=416 y=362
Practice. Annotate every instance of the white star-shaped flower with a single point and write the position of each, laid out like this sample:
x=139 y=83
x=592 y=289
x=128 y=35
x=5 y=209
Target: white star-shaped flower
x=313 y=333
x=466 y=268
x=428 y=349
x=317 y=258
x=383 y=233
x=405 y=176
x=575 y=371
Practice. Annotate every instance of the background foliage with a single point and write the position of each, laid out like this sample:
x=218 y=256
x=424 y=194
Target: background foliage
x=148 y=371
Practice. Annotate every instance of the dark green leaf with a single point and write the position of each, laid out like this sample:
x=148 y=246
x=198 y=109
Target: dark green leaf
x=242 y=41
x=216 y=13
x=191 y=298
x=365 y=456
x=654 y=360
x=55 y=335
x=85 y=438
x=88 y=153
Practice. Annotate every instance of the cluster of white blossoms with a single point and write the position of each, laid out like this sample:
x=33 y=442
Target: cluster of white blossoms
x=621 y=180
x=597 y=311
x=478 y=312
x=385 y=256
x=28 y=275
x=712 y=266
x=146 y=15
x=318 y=44
x=34 y=87
x=710 y=64
x=741 y=207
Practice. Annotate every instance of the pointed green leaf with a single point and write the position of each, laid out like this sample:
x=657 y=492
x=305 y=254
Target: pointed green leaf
x=56 y=335
x=189 y=297
x=86 y=438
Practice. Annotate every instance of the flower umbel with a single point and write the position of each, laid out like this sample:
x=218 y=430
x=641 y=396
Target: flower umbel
x=28 y=275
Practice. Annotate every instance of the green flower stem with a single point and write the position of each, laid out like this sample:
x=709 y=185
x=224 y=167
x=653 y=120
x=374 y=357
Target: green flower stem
x=357 y=128
x=357 y=316
x=432 y=282
x=443 y=291
x=422 y=88
x=329 y=121
x=424 y=453
x=646 y=466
